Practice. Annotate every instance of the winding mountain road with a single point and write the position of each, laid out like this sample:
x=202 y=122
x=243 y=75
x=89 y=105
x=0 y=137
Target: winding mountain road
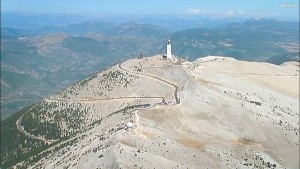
x=177 y=101
x=21 y=129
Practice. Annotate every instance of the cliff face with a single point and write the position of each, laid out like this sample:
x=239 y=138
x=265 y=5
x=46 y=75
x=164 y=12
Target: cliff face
x=215 y=112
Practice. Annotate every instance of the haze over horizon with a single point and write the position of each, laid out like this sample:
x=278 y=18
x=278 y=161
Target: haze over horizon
x=275 y=9
x=96 y=84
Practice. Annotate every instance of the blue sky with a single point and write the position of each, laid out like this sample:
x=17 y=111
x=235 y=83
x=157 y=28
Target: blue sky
x=213 y=8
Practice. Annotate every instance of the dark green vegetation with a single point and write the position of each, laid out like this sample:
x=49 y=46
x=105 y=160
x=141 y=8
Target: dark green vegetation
x=46 y=119
x=15 y=146
x=36 y=66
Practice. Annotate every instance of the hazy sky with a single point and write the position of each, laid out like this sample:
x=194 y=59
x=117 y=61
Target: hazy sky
x=214 y=8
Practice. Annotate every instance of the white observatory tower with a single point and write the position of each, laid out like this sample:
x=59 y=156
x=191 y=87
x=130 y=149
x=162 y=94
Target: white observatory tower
x=169 y=49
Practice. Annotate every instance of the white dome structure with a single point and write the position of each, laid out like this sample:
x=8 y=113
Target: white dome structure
x=129 y=125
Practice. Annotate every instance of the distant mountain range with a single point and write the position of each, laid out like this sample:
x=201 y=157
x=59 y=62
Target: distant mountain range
x=171 y=22
x=77 y=29
x=39 y=62
x=254 y=40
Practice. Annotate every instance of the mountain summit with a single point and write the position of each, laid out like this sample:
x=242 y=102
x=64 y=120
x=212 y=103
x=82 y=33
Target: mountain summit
x=214 y=112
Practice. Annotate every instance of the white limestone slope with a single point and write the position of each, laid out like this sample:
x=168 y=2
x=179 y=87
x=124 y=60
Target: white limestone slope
x=231 y=114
